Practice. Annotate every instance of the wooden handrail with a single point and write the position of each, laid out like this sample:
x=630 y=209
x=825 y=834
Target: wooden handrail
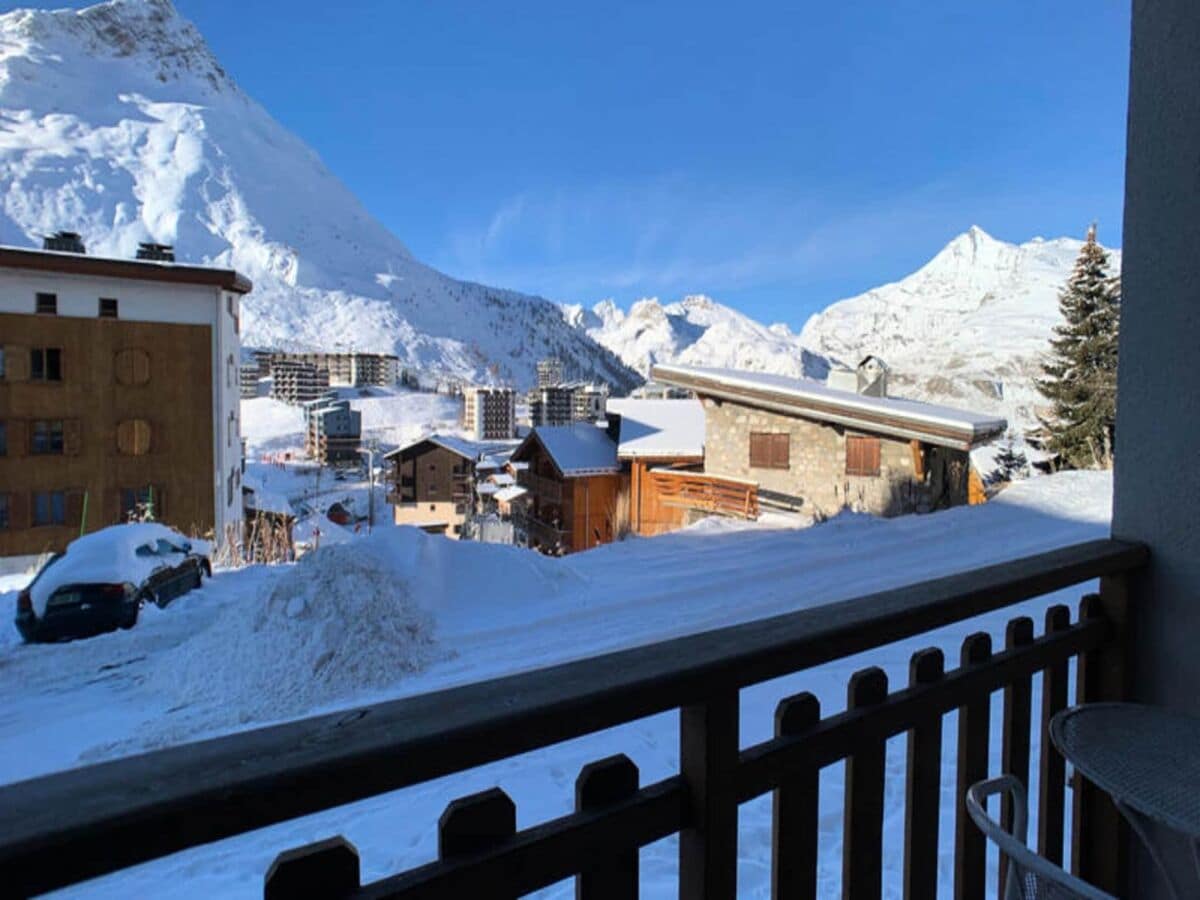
x=705 y=492
x=67 y=827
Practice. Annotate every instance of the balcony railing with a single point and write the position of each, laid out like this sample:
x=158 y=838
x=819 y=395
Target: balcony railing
x=707 y=493
x=64 y=828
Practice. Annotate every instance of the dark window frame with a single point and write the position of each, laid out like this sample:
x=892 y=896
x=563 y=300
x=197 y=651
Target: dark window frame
x=108 y=312
x=45 y=364
x=3 y=438
x=45 y=303
x=49 y=439
x=56 y=511
x=5 y=511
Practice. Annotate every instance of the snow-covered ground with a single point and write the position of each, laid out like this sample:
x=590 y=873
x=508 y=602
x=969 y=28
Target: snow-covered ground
x=261 y=644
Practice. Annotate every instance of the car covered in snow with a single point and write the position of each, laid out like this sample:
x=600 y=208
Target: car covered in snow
x=103 y=579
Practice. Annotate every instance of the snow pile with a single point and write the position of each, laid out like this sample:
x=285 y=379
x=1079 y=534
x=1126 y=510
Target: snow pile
x=342 y=620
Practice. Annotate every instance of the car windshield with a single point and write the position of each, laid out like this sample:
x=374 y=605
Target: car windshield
x=166 y=548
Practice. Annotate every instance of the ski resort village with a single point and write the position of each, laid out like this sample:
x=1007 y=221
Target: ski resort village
x=327 y=574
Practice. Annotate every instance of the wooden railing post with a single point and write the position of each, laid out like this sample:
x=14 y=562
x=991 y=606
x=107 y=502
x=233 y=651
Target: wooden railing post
x=1051 y=780
x=601 y=784
x=327 y=868
x=1100 y=838
x=970 y=845
x=476 y=823
x=1018 y=722
x=794 y=813
x=862 y=840
x=708 y=755
x=923 y=786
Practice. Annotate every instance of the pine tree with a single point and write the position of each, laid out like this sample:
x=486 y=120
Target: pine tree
x=1011 y=463
x=1081 y=373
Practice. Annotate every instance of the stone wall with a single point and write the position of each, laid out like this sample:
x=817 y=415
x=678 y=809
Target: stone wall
x=816 y=476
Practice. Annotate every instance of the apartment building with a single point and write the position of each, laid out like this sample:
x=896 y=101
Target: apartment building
x=334 y=434
x=341 y=369
x=550 y=372
x=588 y=402
x=551 y=405
x=297 y=382
x=490 y=413
x=119 y=385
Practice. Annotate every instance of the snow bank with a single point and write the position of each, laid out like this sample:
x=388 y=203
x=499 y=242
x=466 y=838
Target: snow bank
x=341 y=620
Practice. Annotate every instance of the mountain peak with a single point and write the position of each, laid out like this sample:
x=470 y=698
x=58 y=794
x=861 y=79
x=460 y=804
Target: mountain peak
x=152 y=31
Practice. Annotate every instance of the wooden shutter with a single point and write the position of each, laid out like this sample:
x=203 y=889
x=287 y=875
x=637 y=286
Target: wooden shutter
x=72 y=437
x=18 y=509
x=18 y=437
x=16 y=362
x=131 y=366
x=780 y=446
x=133 y=437
x=74 y=507
x=760 y=451
x=862 y=455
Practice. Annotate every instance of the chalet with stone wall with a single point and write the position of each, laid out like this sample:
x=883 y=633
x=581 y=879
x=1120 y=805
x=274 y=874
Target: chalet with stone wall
x=816 y=449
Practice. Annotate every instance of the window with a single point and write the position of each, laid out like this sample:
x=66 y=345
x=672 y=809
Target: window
x=49 y=508
x=47 y=304
x=46 y=437
x=769 y=451
x=45 y=364
x=108 y=307
x=4 y=502
x=3 y=439
x=862 y=455
x=1 y=363
x=141 y=504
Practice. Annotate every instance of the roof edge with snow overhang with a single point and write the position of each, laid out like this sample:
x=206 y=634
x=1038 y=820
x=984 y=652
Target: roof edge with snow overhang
x=940 y=425
x=559 y=454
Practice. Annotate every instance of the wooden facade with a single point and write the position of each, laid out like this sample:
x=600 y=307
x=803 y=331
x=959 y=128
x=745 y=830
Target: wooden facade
x=135 y=406
x=431 y=487
x=569 y=513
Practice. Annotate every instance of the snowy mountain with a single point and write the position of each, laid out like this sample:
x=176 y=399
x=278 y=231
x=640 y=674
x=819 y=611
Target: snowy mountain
x=117 y=121
x=697 y=330
x=968 y=328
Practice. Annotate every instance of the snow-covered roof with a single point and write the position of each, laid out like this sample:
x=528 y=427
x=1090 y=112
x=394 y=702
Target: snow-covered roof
x=486 y=488
x=941 y=425
x=467 y=449
x=503 y=479
x=577 y=450
x=509 y=494
x=659 y=428
x=257 y=498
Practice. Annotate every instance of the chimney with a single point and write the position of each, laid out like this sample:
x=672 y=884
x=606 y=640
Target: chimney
x=872 y=377
x=158 y=252
x=64 y=242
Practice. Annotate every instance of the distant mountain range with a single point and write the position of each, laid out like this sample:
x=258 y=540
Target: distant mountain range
x=118 y=122
x=966 y=329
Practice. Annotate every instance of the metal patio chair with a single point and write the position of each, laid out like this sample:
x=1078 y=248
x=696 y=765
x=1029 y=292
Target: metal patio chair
x=1030 y=877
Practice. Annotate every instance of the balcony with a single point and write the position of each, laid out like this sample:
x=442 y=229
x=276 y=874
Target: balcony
x=64 y=828
x=706 y=493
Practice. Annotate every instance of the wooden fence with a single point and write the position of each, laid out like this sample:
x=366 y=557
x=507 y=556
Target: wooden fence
x=67 y=827
x=707 y=493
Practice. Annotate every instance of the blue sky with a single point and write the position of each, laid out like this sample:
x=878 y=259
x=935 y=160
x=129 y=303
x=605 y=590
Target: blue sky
x=774 y=155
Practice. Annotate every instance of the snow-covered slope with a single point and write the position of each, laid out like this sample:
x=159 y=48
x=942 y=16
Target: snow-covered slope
x=697 y=330
x=117 y=121
x=968 y=328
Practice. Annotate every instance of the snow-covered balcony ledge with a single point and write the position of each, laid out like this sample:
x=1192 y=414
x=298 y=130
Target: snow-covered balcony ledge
x=64 y=828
